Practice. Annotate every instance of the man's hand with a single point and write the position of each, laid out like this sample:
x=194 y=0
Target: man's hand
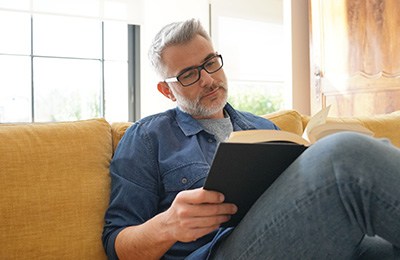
x=195 y=213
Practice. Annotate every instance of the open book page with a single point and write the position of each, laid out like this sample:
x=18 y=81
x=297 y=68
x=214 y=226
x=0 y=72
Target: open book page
x=318 y=127
x=329 y=128
x=260 y=136
x=318 y=119
x=263 y=136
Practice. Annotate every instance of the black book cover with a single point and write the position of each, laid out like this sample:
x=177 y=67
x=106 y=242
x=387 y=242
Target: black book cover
x=242 y=172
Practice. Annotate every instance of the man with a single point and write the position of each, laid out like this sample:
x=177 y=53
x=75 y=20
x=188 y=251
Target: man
x=342 y=188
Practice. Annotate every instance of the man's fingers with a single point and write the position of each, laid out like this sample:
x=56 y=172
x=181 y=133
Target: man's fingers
x=195 y=213
x=208 y=222
x=205 y=210
x=199 y=196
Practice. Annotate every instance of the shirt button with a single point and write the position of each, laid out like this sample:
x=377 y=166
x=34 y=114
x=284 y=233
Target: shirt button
x=210 y=140
x=184 y=180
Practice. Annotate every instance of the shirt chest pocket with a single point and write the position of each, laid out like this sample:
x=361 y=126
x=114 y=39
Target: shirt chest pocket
x=185 y=176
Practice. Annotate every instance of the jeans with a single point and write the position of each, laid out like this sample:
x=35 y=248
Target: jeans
x=339 y=200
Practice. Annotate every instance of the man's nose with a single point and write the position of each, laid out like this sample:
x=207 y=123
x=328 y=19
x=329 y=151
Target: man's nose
x=205 y=78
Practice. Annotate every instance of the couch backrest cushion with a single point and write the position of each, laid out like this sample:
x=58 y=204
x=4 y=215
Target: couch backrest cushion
x=54 y=190
x=287 y=120
x=383 y=126
x=118 y=130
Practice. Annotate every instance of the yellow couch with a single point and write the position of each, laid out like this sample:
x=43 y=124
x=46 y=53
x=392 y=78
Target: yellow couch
x=55 y=183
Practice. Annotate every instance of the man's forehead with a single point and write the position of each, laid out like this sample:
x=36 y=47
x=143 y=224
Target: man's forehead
x=193 y=53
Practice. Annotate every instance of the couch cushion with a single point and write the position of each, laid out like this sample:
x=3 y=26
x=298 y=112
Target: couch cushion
x=383 y=126
x=118 y=130
x=288 y=120
x=54 y=189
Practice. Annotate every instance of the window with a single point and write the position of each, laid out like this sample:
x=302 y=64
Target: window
x=253 y=38
x=64 y=68
x=15 y=68
x=254 y=65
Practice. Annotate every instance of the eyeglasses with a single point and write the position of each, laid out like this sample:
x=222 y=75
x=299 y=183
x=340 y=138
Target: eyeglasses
x=191 y=75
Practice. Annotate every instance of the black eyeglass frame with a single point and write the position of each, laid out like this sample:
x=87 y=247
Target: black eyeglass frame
x=199 y=68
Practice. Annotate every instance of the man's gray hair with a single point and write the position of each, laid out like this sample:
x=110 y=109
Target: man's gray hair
x=173 y=34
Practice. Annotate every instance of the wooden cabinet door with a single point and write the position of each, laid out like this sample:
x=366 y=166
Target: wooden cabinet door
x=355 y=56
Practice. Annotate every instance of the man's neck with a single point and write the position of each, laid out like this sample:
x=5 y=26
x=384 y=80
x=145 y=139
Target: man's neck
x=218 y=115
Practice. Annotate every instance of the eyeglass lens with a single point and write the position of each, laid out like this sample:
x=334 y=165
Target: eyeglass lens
x=193 y=75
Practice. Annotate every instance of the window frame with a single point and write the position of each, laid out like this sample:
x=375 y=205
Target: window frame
x=133 y=67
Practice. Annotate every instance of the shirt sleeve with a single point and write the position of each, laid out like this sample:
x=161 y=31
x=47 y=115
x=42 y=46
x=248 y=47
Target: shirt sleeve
x=134 y=185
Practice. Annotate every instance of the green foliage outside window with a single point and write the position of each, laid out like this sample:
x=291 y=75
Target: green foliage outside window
x=255 y=101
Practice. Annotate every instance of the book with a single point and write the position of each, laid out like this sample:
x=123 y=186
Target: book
x=249 y=162
x=317 y=128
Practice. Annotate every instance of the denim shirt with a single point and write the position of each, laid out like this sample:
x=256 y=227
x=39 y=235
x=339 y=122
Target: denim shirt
x=158 y=157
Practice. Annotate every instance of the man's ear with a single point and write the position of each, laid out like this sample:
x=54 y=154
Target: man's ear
x=165 y=90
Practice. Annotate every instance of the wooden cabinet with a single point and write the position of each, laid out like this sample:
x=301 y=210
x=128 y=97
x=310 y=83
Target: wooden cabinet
x=355 y=56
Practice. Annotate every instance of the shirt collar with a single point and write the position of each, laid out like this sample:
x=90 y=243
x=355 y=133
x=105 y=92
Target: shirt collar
x=187 y=123
x=191 y=126
x=239 y=120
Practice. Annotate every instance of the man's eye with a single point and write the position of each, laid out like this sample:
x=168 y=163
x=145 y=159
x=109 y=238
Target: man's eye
x=210 y=64
x=189 y=74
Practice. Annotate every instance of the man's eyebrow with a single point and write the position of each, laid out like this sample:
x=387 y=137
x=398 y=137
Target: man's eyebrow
x=209 y=56
x=193 y=67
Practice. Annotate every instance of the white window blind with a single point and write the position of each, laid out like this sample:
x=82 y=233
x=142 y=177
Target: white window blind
x=129 y=11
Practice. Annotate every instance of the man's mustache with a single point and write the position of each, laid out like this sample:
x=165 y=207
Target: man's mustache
x=214 y=87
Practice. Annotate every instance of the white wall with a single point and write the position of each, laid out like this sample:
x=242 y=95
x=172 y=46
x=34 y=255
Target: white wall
x=299 y=72
x=256 y=10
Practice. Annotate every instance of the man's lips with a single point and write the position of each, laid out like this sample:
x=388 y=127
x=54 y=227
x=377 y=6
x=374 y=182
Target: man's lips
x=211 y=92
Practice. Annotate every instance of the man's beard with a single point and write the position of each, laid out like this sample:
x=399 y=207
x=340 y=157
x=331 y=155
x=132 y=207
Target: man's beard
x=196 y=109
